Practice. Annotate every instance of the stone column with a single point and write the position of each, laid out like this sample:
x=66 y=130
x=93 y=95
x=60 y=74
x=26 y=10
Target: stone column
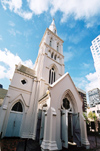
x=49 y=141
x=84 y=139
x=52 y=143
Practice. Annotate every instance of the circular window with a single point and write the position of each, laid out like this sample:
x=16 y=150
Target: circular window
x=24 y=81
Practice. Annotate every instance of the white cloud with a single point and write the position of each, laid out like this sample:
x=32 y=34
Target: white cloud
x=2 y=72
x=14 y=32
x=12 y=4
x=26 y=15
x=92 y=81
x=11 y=23
x=0 y=37
x=38 y=6
x=88 y=82
x=78 y=37
x=86 y=65
x=79 y=9
x=80 y=82
x=69 y=54
x=9 y=60
x=16 y=6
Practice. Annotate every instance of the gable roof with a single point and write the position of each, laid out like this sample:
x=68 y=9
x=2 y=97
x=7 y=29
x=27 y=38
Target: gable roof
x=60 y=79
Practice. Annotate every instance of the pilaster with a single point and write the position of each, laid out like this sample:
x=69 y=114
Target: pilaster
x=49 y=141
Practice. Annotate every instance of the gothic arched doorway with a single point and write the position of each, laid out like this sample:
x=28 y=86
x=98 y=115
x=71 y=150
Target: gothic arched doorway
x=14 y=121
x=70 y=124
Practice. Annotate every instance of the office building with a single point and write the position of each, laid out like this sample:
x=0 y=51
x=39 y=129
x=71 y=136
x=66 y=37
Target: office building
x=95 y=49
x=94 y=97
x=83 y=96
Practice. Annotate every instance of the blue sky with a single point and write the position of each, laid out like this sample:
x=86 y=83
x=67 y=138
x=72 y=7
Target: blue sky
x=23 y=23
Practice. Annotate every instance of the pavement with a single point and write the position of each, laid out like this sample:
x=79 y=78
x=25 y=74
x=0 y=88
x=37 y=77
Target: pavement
x=18 y=144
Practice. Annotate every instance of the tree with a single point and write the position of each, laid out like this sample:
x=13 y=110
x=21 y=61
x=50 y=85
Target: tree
x=85 y=116
x=92 y=116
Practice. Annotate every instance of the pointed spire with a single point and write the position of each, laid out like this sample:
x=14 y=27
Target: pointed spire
x=52 y=27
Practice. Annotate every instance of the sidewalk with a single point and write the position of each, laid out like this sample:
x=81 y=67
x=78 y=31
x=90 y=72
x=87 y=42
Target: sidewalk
x=17 y=144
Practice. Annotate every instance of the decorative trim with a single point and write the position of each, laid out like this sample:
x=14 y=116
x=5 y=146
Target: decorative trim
x=53 y=49
x=4 y=107
x=17 y=97
x=85 y=143
x=32 y=77
x=54 y=60
x=47 y=67
x=43 y=99
x=19 y=89
x=45 y=113
x=50 y=145
x=47 y=84
x=28 y=136
x=41 y=79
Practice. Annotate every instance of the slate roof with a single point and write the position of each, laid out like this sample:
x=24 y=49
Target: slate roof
x=26 y=70
x=3 y=93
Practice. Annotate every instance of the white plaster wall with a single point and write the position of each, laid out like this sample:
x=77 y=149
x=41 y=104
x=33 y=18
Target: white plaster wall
x=28 y=94
x=16 y=82
x=45 y=62
x=57 y=92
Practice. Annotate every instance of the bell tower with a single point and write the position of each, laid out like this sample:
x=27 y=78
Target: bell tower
x=49 y=64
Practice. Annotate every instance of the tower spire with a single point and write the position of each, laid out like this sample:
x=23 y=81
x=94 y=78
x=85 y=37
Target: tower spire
x=52 y=27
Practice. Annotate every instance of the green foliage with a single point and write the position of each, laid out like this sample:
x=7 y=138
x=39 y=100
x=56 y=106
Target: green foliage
x=92 y=116
x=87 y=121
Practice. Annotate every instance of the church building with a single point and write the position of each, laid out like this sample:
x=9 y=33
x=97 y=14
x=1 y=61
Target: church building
x=43 y=103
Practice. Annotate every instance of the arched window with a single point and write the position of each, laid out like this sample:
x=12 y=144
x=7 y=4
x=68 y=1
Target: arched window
x=17 y=107
x=55 y=57
x=57 y=46
x=52 y=55
x=52 y=75
x=50 y=42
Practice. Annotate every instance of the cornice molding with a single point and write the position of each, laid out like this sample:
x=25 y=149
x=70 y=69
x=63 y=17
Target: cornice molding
x=32 y=77
x=19 y=89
